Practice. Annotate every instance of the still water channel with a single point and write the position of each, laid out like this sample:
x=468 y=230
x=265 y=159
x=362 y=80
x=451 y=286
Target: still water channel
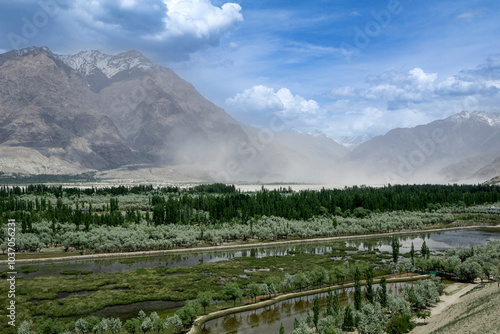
x=435 y=241
x=269 y=319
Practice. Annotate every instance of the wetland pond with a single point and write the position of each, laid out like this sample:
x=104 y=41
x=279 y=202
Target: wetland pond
x=436 y=241
x=266 y=319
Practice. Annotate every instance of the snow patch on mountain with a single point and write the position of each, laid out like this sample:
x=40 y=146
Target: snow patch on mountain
x=88 y=62
x=478 y=116
x=352 y=142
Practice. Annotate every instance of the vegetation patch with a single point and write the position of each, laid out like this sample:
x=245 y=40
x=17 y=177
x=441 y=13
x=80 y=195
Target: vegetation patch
x=76 y=272
x=127 y=261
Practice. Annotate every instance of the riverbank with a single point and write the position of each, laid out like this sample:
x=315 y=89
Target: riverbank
x=237 y=246
x=198 y=323
x=468 y=308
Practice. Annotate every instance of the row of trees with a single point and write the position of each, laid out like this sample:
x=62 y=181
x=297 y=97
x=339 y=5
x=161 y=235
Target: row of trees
x=141 y=324
x=468 y=263
x=142 y=236
x=39 y=189
x=221 y=203
x=356 y=202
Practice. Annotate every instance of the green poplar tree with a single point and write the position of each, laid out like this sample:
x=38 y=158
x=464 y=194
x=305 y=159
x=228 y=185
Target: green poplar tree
x=395 y=248
x=358 y=298
x=348 y=322
x=369 y=293
x=412 y=255
x=316 y=311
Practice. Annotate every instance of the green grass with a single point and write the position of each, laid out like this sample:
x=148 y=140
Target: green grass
x=127 y=261
x=76 y=272
x=29 y=270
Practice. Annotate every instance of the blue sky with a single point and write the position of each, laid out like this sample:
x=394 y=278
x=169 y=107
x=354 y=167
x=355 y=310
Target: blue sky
x=345 y=68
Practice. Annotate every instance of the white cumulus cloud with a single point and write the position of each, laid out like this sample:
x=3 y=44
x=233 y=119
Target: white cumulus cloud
x=199 y=19
x=265 y=99
x=256 y=99
x=296 y=104
x=169 y=29
x=420 y=79
x=258 y=104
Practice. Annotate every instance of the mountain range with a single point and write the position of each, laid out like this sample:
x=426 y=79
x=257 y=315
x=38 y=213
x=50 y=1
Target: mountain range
x=464 y=147
x=128 y=118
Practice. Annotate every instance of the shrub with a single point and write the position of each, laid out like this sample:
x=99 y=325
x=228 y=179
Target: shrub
x=400 y=323
x=372 y=319
x=468 y=271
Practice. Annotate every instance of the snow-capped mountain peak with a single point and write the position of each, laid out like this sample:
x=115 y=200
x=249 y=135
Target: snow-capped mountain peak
x=491 y=119
x=317 y=133
x=88 y=62
x=478 y=116
x=352 y=142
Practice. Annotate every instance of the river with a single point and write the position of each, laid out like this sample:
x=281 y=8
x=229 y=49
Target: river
x=436 y=241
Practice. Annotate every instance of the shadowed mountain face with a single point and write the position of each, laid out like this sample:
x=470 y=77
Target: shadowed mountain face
x=157 y=113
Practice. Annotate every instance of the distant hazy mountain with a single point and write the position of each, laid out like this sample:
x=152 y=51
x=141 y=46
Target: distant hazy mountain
x=475 y=169
x=493 y=181
x=315 y=156
x=353 y=142
x=419 y=154
x=489 y=171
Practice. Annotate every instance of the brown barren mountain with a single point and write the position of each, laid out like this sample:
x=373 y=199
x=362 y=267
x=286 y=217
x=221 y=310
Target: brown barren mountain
x=125 y=116
x=46 y=106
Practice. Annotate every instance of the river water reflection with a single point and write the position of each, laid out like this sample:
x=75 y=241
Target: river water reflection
x=435 y=241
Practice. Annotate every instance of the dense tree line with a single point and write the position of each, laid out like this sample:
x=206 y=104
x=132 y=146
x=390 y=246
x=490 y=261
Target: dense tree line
x=356 y=201
x=223 y=203
x=219 y=188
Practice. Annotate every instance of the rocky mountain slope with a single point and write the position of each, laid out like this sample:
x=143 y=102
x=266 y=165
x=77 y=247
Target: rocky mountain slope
x=157 y=112
x=46 y=106
x=127 y=116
